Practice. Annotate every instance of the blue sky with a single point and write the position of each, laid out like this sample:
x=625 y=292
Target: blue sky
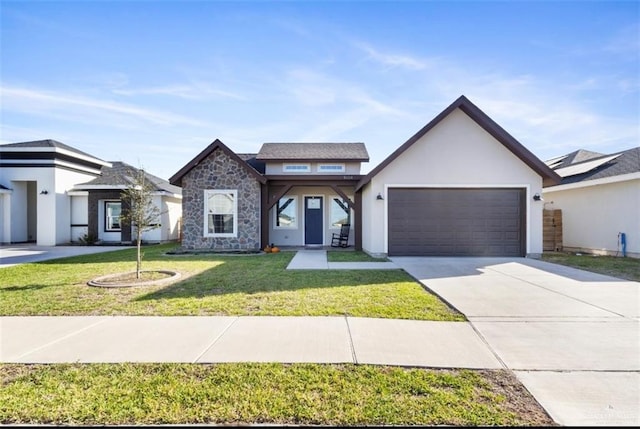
x=152 y=83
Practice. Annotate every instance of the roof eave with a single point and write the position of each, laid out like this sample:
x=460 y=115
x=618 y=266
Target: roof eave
x=176 y=179
x=486 y=123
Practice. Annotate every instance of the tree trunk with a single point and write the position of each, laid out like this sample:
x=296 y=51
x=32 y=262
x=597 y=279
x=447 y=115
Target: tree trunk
x=139 y=260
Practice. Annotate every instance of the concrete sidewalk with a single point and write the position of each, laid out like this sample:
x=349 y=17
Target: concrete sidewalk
x=93 y=339
x=317 y=260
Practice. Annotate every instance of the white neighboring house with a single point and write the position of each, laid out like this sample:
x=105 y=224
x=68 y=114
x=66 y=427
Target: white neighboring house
x=54 y=194
x=97 y=205
x=600 y=201
x=35 y=178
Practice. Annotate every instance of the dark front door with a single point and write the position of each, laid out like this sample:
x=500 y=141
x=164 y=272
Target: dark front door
x=313 y=220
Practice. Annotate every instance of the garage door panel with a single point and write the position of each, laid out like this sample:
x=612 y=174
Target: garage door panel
x=456 y=222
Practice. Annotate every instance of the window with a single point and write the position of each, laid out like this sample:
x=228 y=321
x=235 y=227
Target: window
x=296 y=168
x=287 y=212
x=221 y=213
x=331 y=168
x=112 y=211
x=340 y=212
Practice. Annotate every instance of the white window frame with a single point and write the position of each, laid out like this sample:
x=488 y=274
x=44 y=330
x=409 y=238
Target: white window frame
x=106 y=216
x=296 y=168
x=208 y=193
x=331 y=197
x=275 y=216
x=322 y=168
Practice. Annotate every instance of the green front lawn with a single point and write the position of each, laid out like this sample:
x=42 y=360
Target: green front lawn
x=299 y=394
x=623 y=268
x=214 y=285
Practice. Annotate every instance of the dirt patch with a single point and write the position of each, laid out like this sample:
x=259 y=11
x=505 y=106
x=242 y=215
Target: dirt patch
x=518 y=400
x=129 y=279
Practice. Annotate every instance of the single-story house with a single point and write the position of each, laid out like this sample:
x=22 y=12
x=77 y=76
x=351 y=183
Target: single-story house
x=460 y=186
x=599 y=201
x=96 y=206
x=52 y=194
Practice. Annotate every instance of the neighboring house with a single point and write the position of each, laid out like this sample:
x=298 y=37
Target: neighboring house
x=51 y=194
x=96 y=206
x=461 y=186
x=35 y=178
x=599 y=198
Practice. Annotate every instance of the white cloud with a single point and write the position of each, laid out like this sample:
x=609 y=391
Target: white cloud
x=72 y=107
x=199 y=91
x=394 y=60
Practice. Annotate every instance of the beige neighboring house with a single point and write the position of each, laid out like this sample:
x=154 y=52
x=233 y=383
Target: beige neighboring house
x=599 y=197
x=461 y=186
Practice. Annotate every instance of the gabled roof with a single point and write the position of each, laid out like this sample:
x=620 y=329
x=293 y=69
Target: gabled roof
x=176 y=179
x=250 y=158
x=576 y=167
x=346 y=152
x=120 y=175
x=489 y=125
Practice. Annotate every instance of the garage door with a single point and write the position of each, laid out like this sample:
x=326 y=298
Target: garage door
x=456 y=222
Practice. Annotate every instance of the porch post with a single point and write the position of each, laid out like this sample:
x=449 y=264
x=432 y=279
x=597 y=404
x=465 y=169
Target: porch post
x=358 y=215
x=264 y=215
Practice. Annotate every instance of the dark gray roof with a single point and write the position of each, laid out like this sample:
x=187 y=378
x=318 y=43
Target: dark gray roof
x=313 y=152
x=48 y=143
x=119 y=175
x=250 y=158
x=627 y=162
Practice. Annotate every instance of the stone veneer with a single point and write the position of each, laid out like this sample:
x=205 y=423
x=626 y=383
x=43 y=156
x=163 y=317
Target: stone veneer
x=220 y=171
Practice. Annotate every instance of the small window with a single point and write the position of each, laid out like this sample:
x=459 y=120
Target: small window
x=340 y=212
x=287 y=213
x=331 y=168
x=296 y=168
x=112 y=211
x=221 y=213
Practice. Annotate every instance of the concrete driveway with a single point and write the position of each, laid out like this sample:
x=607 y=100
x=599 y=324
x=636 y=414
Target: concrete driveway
x=570 y=336
x=15 y=254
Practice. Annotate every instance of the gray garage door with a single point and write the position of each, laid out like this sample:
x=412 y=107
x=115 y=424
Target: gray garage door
x=456 y=222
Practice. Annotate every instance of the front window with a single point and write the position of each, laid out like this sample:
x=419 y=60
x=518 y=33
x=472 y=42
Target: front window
x=287 y=212
x=112 y=211
x=296 y=168
x=331 y=168
x=221 y=213
x=340 y=212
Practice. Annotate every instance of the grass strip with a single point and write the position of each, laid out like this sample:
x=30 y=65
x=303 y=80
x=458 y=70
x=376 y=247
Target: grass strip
x=118 y=394
x=623 y=268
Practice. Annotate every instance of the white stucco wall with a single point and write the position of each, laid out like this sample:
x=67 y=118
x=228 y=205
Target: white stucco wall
x=52 y=210
x=594 y=214
x=171 y=218
x=79 y=216
x=457 y=152
x=276 y=168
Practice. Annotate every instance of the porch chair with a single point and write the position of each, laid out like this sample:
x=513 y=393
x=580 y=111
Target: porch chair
x=341 y=239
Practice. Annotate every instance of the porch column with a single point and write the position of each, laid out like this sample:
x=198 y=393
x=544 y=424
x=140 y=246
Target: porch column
x=264 y=215
x=358 y=215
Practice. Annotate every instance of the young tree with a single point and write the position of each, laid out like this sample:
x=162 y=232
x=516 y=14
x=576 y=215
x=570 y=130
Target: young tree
x=140 y=212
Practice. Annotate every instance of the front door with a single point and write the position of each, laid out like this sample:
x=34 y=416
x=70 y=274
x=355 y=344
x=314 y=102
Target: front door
x=313 y=220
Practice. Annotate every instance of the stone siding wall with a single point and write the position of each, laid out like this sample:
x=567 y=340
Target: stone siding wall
x=220 y=171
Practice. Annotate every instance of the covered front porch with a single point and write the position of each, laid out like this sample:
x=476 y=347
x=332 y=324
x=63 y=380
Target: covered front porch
x=299 y=211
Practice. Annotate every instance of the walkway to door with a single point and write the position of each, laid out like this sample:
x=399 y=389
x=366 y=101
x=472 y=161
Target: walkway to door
x=317 y=260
